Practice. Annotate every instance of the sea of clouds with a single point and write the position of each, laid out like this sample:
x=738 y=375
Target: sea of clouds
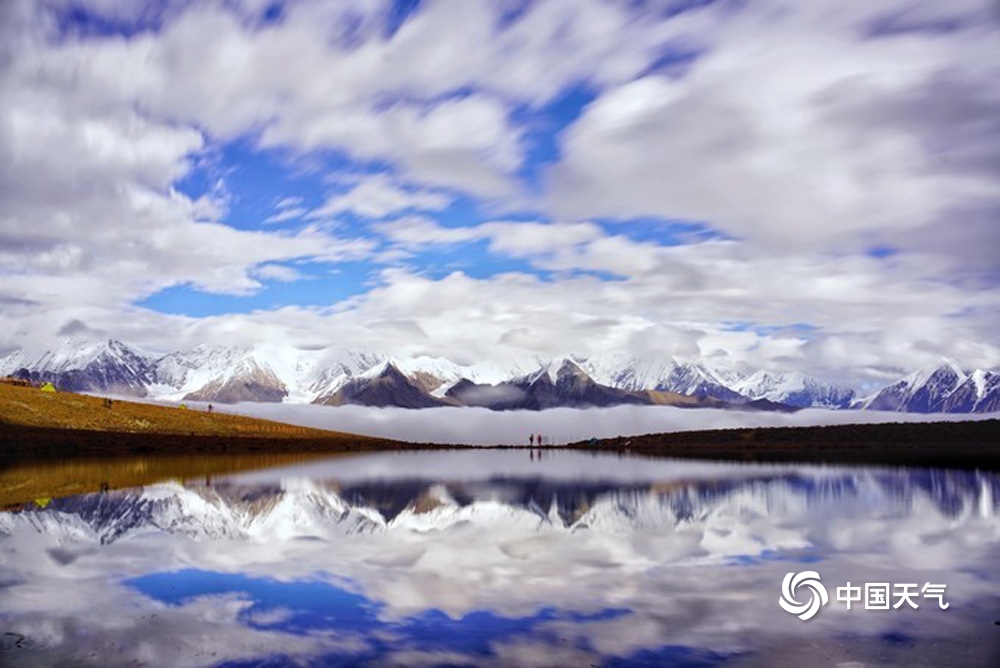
x=481 y=426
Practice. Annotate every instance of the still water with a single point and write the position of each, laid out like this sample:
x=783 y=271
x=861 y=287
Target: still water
x=508 y=558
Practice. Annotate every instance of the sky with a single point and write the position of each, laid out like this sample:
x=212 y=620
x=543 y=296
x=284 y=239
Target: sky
x=807 y=184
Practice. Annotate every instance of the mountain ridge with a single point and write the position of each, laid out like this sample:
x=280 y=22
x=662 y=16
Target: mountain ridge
x=221 y=374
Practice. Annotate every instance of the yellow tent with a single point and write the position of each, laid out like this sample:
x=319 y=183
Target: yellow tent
x=48 y=387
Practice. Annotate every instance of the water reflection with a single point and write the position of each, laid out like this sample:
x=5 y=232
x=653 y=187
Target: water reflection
x=21 y=482
x=495 y=558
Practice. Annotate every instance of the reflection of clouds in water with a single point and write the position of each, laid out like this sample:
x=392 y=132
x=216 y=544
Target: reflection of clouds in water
x=475 y=465
x=481 y=426
x=100 y=623
x=666 y=553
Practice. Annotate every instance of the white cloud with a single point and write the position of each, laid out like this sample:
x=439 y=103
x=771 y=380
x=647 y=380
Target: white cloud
x=279 y=272
x=284 y=215
x=378 y=197
x=376 y=98
x=795 y=129
x=417 y=231
x=288 y=203
x=512 y=238
x=89 y=216
x=481 y=426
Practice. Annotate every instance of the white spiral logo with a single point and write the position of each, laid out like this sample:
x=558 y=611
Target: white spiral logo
x=818 y=598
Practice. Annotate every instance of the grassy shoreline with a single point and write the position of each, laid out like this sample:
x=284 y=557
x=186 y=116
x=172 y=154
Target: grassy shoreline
x=40 y=463
x=62 y=444
x=972 y=444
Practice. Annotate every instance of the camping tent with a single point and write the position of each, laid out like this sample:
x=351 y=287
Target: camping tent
x=48 y=387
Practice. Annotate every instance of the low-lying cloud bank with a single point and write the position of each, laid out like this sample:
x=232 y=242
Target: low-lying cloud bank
x=480 y=426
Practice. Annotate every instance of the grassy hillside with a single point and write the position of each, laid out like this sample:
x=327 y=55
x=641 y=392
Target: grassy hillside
x=57 y=444
x=29 y=407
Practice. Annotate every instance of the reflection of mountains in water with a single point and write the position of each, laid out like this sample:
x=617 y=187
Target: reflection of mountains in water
x=321 y=508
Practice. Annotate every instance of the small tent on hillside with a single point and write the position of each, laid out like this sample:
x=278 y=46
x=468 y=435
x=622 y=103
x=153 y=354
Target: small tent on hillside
x=48 y=387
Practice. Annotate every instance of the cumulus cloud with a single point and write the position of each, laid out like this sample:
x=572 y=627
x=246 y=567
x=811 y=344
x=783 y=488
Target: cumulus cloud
x=89 y=215
x=796 y=127
x=279 y=272
x=800 y=134
x=511 y=238
x=377 y=197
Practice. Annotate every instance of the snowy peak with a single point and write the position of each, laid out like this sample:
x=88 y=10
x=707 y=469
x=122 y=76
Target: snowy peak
x=697 y=380
x=381 y=386
x=12 y=362
x=330 y=370
x=274 y=373
x=219 y=374
x=943 y=389
x=104 y=366
x=553 y=371
x=262 y=373
x=664 y=374
x=181 y=370
x=794 y=389
x=76 y=355
x=559 y=383
x=625 y=372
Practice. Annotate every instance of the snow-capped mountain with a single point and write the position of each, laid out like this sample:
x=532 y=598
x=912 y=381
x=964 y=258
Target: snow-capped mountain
x=944 y=389
x=13 y=361
x=561 y=382
x=383 y=385
x=666 y=374
x=215 y=373
x=265 y=373
x=335 y=376
x=980 y=393
x=793 y=389
x=102 y=366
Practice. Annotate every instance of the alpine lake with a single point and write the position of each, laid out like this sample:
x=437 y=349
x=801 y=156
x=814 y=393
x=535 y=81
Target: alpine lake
x=505 y=558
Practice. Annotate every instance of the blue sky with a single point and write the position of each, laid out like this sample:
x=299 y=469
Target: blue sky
x=821 y=173
x=259 y=184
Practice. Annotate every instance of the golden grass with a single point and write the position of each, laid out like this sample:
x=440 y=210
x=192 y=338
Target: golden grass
x=54 y=445
x=29 y=407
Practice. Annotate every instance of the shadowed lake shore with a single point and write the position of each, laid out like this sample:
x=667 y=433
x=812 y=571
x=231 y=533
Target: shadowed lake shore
x=973 y=444
x=62 y=444
x=965 y=445
x=38 y=462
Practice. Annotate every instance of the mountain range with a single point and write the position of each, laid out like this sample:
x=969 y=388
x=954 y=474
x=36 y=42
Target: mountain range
x=334 y=508
x=334 y=377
